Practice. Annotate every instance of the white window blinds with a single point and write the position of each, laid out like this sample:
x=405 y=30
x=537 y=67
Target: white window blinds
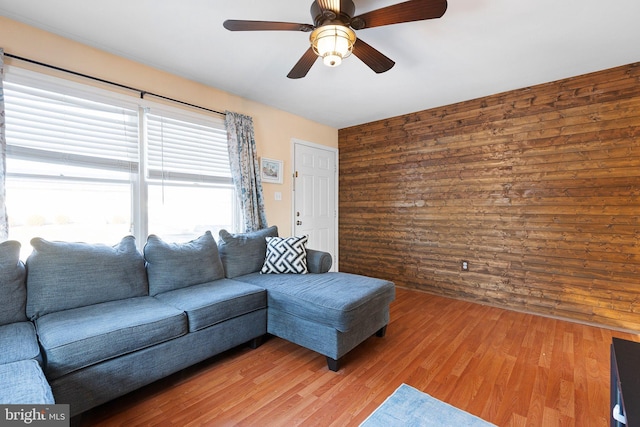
x=187 y=149
x=53 y=126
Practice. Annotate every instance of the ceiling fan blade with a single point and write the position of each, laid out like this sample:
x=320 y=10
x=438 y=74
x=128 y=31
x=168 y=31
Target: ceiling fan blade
x=408 y=11
x=303 y=66
x=240 y=25
x=374 y=59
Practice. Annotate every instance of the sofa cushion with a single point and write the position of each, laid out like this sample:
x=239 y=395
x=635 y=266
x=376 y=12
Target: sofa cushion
x=339 y=300
x=214 y=302
x=286 y=255
x=24 y=383
x=18 y=341
x=173 y=266
x=80 y=337
x=12 y=284
x=63 y=275
x=244 y=253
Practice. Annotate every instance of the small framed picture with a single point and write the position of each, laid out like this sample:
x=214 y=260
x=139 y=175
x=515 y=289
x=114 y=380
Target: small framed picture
x=271 y=170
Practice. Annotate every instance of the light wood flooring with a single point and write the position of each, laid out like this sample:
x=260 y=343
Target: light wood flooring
x=509 y=368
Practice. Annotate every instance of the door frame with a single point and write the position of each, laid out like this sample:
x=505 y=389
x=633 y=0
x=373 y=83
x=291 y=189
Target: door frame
x=294 y=143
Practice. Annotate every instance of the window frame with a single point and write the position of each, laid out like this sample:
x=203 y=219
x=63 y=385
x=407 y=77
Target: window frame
x=139 y=179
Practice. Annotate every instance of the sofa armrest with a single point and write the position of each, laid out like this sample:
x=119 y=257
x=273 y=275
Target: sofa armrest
x=318 y=261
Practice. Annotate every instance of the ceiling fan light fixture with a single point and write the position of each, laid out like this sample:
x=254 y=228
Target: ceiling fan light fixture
x=333 y=43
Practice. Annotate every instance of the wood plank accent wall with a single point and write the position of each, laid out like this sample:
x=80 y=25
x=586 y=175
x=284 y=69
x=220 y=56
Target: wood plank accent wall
x=538 y=188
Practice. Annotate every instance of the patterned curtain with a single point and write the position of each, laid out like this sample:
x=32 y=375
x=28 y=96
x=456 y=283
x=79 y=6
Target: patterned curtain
x=246 y=170
x=4 y=225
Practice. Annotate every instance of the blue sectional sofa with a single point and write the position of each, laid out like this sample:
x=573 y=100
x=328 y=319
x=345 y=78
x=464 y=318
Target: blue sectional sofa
x=94 y=322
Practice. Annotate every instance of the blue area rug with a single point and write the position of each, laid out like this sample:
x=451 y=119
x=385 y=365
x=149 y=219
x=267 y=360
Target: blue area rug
x=410 y=407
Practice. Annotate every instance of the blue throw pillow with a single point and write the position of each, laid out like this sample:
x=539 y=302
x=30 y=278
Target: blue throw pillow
x=173 y=266
x=244 y=253
x=286 y=255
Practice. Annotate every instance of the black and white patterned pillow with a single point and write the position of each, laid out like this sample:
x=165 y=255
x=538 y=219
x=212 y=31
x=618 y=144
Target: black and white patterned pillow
x=286 y=255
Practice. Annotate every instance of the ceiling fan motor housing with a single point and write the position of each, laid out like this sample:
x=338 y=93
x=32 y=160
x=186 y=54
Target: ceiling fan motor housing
x=326 y=16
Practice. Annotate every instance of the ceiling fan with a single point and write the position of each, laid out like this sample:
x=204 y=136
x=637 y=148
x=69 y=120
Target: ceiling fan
x=332 y=34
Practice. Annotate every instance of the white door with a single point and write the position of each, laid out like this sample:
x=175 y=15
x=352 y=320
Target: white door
x=315 y=196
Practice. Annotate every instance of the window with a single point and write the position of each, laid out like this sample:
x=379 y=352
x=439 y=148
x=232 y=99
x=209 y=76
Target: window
x=189 y=178
x=84 y=164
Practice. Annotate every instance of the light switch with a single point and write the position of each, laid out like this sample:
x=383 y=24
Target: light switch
x=278 y=195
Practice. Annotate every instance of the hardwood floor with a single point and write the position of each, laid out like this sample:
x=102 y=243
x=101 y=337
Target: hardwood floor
x=509 y=368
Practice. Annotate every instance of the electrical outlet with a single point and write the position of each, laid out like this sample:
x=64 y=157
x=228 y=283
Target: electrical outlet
x=464 y=265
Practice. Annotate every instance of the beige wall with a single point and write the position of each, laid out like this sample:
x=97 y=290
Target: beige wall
x=274 y=128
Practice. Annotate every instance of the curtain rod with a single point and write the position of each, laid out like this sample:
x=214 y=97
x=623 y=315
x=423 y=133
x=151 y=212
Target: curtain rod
x=140 y=91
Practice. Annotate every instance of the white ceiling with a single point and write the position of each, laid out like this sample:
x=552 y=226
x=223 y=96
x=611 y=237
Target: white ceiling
x=478 y=48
